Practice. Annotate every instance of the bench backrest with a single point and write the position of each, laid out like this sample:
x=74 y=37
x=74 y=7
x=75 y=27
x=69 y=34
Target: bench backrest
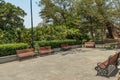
x=48 y=47
x=113 y=59
x=90 y=43
x=45 y=48
x=42 y=48
x=24 y=51
x=64 y=45
x=110 y=61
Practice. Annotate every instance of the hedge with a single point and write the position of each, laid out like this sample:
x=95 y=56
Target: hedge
x=56 y=43
x=10 y=49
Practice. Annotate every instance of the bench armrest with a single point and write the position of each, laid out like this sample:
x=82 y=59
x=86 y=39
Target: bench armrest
x=100 y=63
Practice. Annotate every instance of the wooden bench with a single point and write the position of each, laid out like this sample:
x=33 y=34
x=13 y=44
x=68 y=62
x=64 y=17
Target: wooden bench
x=89 y=44
x=103 y=68
x=45 y=50
x=25 y=53
x=65 y=47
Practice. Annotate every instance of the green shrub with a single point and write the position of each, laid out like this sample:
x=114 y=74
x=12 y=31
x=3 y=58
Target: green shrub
x=55 y=43
x=111 y=46
x=10 y=49
x=84 y=38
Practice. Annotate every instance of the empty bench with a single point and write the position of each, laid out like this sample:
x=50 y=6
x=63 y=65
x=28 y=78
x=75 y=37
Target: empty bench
x=45 y=50
x=25 y=53
x=89 y=44
x=65 y=46
x=105 y=68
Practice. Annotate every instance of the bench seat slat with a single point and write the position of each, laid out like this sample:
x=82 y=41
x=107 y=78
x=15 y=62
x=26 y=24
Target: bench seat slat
x=89 y=44
x=45 y=49
x=104 y=64
x=65 y=46
x=25 y=53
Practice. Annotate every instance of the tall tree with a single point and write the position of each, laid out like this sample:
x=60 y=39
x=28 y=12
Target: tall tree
x=116 y=13
x=10 y=16
x=87 y=15
x=90 y=16
x=96 y=14
x=56 y=11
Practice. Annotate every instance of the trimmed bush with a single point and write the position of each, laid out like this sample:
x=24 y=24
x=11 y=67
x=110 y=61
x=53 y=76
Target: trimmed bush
x=111 y=46
x=10 y=49
x=56 y=43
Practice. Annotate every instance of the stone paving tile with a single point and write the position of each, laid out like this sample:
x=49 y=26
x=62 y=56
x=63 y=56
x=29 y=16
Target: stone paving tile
x=76 y=64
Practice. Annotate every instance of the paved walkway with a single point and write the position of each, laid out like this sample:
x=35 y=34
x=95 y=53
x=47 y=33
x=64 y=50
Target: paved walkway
x=76 y=64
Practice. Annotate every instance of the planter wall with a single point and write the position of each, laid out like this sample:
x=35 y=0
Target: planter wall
x=8 y=59
x=76 y=46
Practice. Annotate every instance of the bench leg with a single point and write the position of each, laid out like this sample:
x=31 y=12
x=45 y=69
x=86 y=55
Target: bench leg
x=101 y=72
x=20 y=59
x=35 y=55
x=105 y=72
x=96 y=68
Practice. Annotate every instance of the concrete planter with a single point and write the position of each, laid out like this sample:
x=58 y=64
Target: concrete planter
x=99 y=45
x=8 y=59
x=76 y=46
x=57 y=49
x=73 y=46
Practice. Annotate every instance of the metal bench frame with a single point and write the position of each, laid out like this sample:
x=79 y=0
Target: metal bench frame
x=104 y=70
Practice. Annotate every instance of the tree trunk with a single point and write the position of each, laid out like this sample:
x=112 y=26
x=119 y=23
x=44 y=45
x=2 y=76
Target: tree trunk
x=64 y=18
x=91 y=29
x=103 y=32
x=110 y=31
x=91 y=32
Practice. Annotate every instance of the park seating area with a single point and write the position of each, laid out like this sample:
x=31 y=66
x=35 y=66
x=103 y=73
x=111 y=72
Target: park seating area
x=60 y=40
x=41 y=51
x=88 y=56
x=102 y=68
x=77 y=64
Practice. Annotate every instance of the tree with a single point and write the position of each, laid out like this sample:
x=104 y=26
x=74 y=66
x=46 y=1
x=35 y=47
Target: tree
x=87 y=12
x=95 y=15
x=90 y=16
x=116 y=13
x=10 y=16
x=56 y=11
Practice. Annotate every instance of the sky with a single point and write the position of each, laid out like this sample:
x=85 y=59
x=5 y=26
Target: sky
x=25 y=5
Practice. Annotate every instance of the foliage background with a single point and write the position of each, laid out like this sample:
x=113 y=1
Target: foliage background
x=80 y=20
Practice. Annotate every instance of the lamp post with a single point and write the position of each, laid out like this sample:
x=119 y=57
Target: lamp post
x=32 y=33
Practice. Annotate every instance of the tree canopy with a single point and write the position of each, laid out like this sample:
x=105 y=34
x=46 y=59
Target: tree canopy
x=10 y=16
x=56 y=11
x=90 y=16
